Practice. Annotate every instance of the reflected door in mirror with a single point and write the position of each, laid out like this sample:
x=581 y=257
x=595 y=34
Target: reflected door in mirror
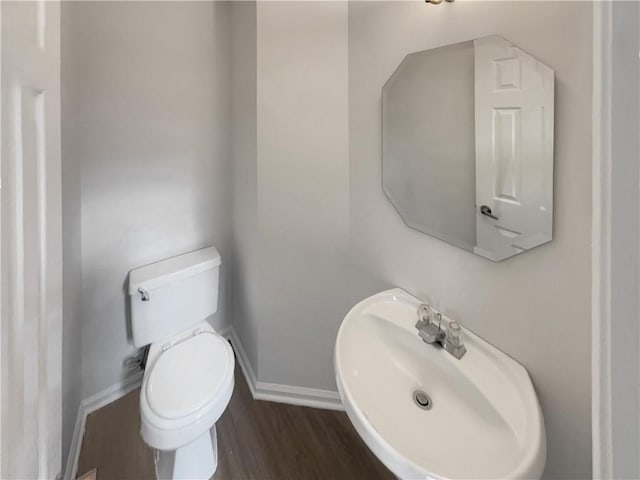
x=468 y=146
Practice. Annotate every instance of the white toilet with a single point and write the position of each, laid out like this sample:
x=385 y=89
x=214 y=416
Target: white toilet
x=188 y=379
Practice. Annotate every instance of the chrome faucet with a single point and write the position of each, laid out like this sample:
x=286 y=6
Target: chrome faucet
x=430 y=330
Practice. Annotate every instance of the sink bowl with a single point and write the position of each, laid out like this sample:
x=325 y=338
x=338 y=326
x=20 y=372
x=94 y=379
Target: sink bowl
x=479 y=417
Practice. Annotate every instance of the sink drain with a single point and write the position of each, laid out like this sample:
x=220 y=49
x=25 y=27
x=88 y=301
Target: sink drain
x=422 y=400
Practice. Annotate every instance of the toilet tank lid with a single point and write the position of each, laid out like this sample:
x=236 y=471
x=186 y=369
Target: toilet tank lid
x=160 y=273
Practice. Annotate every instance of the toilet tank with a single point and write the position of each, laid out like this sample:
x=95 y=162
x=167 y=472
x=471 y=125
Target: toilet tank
x=173 y=294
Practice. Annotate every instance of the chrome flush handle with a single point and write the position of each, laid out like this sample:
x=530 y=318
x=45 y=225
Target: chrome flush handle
x=144 y=295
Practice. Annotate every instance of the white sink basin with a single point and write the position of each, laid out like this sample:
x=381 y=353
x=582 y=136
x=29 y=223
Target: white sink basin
x=484 y=420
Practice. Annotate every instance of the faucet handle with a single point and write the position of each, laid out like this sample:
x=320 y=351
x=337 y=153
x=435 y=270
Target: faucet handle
x=424 y=312
x=438 y=316
x=454 y=334
x=453 y=340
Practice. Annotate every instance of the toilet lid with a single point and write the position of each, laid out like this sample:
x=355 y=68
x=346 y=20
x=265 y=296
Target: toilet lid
x=188 y=375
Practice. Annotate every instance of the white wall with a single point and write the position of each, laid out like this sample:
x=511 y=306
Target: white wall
x=536 y=306
x=148 y=123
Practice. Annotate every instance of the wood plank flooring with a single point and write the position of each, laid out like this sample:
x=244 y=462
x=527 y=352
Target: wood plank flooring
x=256 y=440
x=112 y=443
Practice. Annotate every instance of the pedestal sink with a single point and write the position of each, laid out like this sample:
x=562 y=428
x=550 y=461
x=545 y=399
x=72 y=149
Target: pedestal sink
x=426 y=414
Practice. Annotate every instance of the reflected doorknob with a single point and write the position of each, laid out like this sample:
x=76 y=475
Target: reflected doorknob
x=486 y=210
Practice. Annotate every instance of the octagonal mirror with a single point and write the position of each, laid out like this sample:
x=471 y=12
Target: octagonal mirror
x=468 y=146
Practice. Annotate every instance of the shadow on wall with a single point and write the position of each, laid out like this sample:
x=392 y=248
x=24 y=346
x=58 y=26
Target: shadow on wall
x=132 y=364
x=127 y=310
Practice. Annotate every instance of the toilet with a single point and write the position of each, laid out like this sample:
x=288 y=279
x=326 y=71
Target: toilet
x=188 y=379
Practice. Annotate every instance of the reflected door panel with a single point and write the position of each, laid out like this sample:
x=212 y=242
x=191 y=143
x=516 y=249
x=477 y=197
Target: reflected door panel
x=468 y=146
x=514 y=149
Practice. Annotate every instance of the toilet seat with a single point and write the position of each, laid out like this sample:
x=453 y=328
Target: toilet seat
x=186 y=387
x=187 y=375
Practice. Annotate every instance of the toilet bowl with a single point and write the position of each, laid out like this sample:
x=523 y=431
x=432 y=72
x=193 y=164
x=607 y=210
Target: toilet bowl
x=188 y=379
x=186 y=387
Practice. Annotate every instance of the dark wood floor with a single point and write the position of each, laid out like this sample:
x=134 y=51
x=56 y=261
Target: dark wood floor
x=256 y=440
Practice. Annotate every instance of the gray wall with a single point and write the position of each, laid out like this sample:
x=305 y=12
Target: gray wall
x=244 y=271
x=326 y=235
x=625 y=240
x=536 y=306
x=152 y=141
x=147 y=122
x=429 y=143
x=303 y=189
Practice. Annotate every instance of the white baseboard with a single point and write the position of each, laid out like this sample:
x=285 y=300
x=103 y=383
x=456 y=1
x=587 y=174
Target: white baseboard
x=274 y=392
x=303 y=396
x=112 y=393
x=243 y=361
x=89 y=405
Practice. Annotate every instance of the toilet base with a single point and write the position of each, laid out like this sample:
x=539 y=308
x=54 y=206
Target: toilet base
x=196 y=460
